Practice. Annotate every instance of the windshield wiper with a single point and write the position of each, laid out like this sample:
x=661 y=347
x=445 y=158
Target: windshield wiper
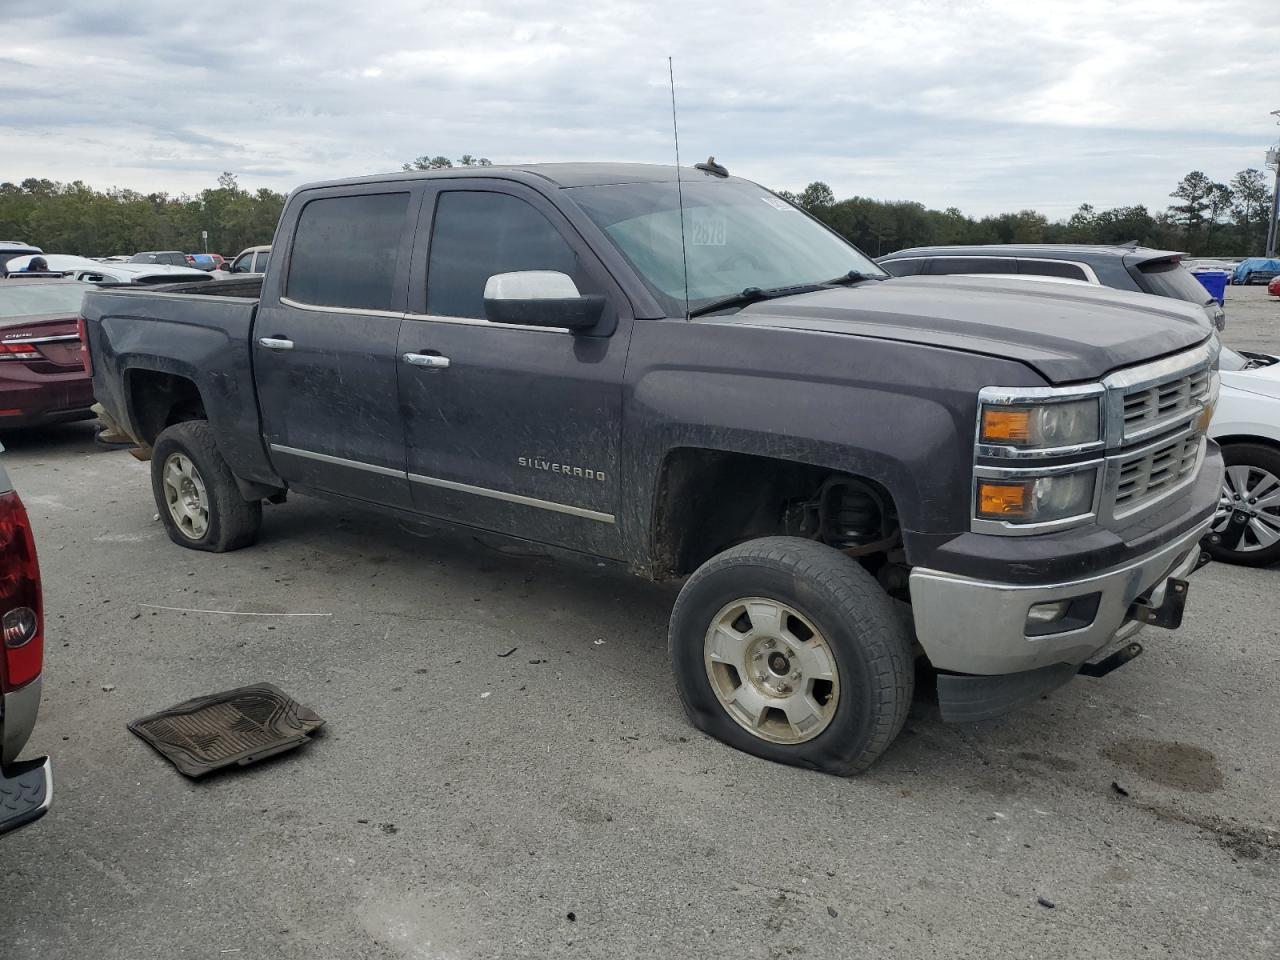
x=850 y=278
x=754 y=294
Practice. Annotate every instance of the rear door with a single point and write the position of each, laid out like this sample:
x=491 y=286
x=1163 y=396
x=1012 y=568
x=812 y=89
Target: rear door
x=520 y=432
x=325 y=342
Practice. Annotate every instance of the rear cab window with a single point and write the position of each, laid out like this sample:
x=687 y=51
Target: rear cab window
x=1169 y=278
x=346 y=250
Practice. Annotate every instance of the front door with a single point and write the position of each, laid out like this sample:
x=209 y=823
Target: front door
x=325 y=343
x=519 y=432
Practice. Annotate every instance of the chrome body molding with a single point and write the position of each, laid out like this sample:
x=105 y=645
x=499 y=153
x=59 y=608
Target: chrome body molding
x=447 y=484
x=337 y=461
x=513 y=498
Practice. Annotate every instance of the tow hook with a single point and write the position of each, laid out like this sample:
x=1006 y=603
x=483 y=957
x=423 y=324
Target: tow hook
x=1117 y=659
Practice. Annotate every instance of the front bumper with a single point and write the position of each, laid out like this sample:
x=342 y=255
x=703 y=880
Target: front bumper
x=979 y=627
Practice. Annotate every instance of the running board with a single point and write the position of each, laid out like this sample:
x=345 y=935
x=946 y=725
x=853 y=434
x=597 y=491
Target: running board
x=26 y=790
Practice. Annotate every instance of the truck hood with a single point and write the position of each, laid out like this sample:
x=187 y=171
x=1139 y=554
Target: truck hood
x=1067 y=332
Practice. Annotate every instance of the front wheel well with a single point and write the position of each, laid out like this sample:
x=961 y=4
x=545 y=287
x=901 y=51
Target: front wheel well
x=158 y=400
x=710 y=500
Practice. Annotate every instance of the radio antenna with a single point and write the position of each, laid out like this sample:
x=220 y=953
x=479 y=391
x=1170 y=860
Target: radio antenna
x=675 y=131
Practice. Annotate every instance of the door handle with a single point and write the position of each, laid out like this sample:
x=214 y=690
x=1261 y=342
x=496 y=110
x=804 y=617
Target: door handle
x=275 y=343
x=432 y=360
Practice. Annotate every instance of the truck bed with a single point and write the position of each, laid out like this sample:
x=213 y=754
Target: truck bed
x=143 y=340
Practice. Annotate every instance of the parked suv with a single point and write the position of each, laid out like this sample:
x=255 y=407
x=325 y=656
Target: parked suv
x=1122 y=267
x=1015 y=476
x=26 y=786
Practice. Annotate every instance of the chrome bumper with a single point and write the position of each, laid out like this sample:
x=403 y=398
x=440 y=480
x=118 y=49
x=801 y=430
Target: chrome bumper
x=979 y=627
x=17 y=719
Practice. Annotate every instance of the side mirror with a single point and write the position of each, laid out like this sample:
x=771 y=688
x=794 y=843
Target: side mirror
x=540 y=298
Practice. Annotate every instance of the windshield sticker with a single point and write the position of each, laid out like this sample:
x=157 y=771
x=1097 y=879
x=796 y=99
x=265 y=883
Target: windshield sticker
x=707 y=229
x=777 y=203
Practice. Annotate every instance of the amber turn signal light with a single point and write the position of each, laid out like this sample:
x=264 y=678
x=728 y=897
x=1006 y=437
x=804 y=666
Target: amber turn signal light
x=1002 y=499
x=1010 y=426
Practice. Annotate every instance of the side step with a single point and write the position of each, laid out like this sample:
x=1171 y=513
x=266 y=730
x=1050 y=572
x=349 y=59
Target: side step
x=26 y=790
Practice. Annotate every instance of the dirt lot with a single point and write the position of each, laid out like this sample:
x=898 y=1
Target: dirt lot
x=554 y=802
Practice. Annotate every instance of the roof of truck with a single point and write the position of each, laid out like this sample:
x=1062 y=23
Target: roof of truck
x=560 y=174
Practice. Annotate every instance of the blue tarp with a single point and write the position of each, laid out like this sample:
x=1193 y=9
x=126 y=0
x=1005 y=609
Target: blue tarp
x=1255 y=265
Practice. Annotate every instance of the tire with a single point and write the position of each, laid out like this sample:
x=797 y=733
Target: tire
x=821 y=592
x=209 y=514
x=1243 y=528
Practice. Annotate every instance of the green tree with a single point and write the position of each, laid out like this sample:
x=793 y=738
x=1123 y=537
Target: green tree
x=444 y=163
x=1251 y=205
x=1193 y=190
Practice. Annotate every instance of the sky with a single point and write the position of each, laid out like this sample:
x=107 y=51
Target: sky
x=986 y=105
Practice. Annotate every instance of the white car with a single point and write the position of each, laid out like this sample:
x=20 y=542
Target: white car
x=95 y=271
x=1247 y=425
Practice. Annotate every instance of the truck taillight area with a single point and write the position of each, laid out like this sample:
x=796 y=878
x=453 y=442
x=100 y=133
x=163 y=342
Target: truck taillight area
x=82 y=329
x=21 y=603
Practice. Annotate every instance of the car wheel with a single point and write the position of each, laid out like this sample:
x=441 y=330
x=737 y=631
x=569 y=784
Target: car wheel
x=197 y=496
x=1246 y=527
x=789 y=650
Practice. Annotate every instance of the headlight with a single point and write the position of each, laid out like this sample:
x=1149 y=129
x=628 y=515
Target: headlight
x=1041 y=425
x=1038 y=499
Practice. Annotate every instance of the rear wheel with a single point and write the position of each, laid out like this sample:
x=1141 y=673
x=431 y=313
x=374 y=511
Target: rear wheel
x=196 y=493
x=789 y=650
x=1247 y=523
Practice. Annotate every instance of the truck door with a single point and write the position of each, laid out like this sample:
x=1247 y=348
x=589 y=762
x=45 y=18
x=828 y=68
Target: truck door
x=325 y=337
x=510 y=428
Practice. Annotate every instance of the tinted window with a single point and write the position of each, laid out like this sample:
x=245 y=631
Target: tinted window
x=1052 y=268
x=478 y=234
x=262 y=261
x=949 y=265
x=1169 y=278
x=345 y=251
x=901 y=268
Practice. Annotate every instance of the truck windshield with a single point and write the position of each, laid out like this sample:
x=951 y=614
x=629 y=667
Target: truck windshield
x=737 y=235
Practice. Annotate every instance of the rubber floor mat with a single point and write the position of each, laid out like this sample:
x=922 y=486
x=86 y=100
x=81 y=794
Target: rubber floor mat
x=239 y=726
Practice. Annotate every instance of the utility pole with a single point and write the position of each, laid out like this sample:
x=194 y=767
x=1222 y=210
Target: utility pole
x=1273 y=159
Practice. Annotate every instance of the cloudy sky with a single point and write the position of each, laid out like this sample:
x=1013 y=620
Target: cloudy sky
x=987 y=105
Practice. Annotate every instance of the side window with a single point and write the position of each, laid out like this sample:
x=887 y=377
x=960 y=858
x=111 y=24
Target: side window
x=243 y=264
x=477 y=234
x=345 y=251
x=907 y=267
x=950 y=265
x=261 y=266
x=1052 y=268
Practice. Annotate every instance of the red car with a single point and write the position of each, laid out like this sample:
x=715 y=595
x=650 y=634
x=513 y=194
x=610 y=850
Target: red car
x=42 y=372
x=1273 y=287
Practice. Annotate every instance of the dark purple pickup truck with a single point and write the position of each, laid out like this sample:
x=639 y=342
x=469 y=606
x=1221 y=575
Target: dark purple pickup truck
x=694 y=379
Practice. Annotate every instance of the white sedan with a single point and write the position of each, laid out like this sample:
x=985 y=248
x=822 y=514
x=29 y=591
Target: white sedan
x=96 y=271
x=1247 y=425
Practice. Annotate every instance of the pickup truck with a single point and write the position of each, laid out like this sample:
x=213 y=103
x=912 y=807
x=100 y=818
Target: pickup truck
x=684 y=374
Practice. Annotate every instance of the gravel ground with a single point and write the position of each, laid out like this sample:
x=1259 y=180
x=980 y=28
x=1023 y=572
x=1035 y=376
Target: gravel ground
x=1253 y=320
x=554 y=802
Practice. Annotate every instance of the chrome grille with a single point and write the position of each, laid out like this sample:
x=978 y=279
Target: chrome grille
x=1150 y=409
x=1144 y=476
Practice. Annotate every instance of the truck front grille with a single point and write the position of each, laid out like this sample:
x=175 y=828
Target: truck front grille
x=1145 y=476
x=1150 y=409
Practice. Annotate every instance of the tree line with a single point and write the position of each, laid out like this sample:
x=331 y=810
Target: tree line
x=74 y=218
x=1208 y=218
